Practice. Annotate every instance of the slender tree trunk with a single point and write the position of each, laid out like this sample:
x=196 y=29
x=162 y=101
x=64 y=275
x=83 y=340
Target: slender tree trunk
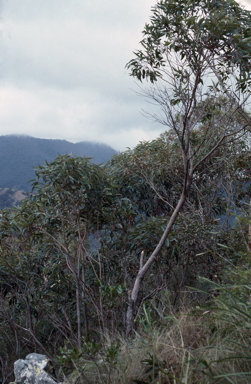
x=144 y=268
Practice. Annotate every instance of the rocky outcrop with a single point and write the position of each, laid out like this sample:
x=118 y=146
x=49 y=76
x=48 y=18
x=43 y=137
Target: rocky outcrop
x=31 y=370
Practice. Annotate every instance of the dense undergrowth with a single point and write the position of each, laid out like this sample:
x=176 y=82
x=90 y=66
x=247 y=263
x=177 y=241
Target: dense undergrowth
x=70 y=252
x=203 y=344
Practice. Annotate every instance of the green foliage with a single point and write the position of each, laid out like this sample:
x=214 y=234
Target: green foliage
x=221 y=29
x=110 y=217
x=70 y=252
x=68 y=358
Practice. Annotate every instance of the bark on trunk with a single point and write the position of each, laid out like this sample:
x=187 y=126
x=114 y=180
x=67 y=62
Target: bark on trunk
x=130 y=315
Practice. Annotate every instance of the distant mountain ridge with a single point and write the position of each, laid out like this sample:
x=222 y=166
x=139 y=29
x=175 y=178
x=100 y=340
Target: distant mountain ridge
x=19 y=154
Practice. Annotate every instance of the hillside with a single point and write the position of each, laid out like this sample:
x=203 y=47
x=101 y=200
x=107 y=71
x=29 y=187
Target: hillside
x=20 y=154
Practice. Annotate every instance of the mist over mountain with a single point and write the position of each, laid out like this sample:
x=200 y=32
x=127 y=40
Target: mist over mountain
x=19 y=154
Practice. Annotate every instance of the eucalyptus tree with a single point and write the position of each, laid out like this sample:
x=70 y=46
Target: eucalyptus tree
x=73 y=199
x=61 y=221
x=150 y=176
x=192 y=53
x=25 y=294
x=54 y=280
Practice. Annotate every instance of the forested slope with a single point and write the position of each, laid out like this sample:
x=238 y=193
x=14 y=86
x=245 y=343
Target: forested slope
x=20 y=154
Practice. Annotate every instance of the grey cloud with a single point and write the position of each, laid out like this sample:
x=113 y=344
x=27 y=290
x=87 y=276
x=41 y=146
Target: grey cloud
x=95 y=12
x=64 y=43
x=62 y=70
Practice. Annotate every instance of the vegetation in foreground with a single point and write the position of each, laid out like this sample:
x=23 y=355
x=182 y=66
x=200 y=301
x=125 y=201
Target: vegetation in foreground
x=70 y=252
x=202 y=345
x=138 y=270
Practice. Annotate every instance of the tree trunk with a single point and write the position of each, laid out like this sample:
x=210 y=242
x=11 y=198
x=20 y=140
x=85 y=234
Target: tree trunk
x=130 y=315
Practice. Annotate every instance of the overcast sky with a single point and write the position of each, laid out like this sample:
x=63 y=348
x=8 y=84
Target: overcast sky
x=63 y=70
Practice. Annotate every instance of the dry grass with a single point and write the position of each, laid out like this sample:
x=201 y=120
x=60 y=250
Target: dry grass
x=166 y=355
x=206 y=347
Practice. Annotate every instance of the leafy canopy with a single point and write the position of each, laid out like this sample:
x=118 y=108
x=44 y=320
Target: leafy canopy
x=220 y=30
